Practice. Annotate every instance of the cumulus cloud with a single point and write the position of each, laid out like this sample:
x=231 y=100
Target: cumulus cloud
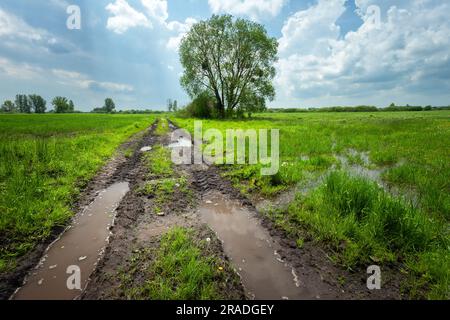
x=125 y=17
x=180 y=29
x=254 y=9
x=409 y=50
x=156 y=9
x=156 y=12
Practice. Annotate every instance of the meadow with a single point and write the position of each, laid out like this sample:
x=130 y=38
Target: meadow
x=373 y=188
x=45 y=160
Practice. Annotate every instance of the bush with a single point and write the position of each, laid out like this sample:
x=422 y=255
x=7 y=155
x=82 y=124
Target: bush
x=201 y=107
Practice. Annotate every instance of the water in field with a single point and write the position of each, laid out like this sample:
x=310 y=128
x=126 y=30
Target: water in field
x=252 y=250
x=81 y=246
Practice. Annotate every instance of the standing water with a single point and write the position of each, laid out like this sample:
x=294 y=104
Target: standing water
x=81 y=245
x=252 y=251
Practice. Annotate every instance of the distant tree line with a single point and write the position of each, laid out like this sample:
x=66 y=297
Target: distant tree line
x=34 y=103
x=390 y=108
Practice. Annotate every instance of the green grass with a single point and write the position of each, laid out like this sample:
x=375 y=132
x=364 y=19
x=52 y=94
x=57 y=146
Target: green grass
x=44 y=162
x=162 y=128
x=159 y=163
x=358 y=220
x=363 y=224
x=180 y=270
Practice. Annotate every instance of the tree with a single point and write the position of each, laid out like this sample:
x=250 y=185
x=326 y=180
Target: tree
x=61 y=105
x=22 y=103
x=169 y=105
x=251 y=103
x=228 y=58
x=109 y=105
x=175 y=106
x=8 y=106
x=38 y=103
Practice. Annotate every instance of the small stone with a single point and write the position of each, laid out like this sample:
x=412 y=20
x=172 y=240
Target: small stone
x=40 y=281
x=160 y=214
x=53 y=267
x=208 y=239
x=82 y=258
x=208 y=201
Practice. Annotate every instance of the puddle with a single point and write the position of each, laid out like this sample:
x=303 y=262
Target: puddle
x=252 y=251
x=80 y=245
x=359 y=170
x=182 y=142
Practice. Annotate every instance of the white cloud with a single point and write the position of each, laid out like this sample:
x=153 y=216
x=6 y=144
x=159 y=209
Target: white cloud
x=181 y=29
x=254 y=9
x=410 y=50
x=21 y=71
x=16 y=34
x=14 y=27
x=82 y=81
x=156 y=9
x=125 y=17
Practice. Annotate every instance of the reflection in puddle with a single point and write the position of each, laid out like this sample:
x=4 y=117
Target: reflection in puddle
x=80 y=245
x=252 y=250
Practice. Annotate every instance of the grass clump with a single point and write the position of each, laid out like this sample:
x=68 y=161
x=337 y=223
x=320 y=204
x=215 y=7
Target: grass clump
x=163 y=191
x=159 y=163
x=162 y=127
x=180 y=270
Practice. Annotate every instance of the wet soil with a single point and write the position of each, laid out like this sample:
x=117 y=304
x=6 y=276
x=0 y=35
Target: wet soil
x=138 y=228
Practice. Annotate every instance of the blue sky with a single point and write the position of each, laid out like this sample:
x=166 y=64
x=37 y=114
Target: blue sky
x=332 y=52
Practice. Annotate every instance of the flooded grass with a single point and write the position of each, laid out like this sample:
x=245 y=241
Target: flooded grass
x=44 y=161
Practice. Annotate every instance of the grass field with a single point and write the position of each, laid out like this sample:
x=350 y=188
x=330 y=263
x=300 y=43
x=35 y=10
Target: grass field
x=398 y=213
x=371 y=188
x=44 y=161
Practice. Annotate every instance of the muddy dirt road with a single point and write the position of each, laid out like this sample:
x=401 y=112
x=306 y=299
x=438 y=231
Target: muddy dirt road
x=115 y=220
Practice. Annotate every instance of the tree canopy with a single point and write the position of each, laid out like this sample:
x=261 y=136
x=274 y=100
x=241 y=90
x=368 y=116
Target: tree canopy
x=38 y=103
x=232 y=59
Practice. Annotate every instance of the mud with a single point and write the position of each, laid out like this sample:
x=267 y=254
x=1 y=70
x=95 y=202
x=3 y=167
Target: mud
x=80 y=245
x=137 y=227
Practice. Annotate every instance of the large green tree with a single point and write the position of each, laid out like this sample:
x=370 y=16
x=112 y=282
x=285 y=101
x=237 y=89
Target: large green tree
x=38 y=103
x=231 y=58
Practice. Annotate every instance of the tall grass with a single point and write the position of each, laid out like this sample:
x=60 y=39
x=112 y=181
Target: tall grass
x=44 y=161
x=364 y=224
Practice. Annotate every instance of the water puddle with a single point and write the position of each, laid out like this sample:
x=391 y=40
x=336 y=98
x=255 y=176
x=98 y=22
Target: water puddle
x=182 y=142
x=252 y=250
x=81 y=245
